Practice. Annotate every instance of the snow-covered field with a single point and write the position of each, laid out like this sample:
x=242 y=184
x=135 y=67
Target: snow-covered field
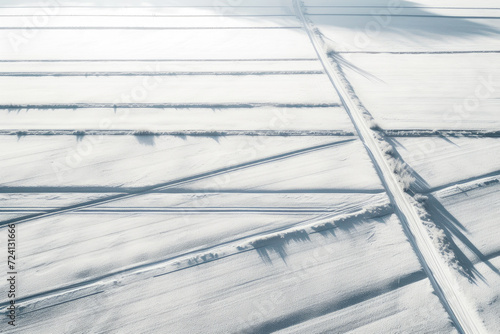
x=237 y=166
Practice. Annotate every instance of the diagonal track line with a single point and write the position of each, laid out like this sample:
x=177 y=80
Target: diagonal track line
x=166 y=185
x=204 y=249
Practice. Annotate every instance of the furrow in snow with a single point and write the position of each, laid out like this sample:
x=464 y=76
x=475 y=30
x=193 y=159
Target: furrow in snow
x=442 y=133
x=199 y=133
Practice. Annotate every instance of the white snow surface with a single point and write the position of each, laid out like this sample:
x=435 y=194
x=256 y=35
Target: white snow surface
x=203 y=166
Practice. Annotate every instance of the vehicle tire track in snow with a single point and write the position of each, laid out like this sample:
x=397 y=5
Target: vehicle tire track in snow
x=465 y=319
x=130 y=190
x=152 y=73
x=166 y=185
x=201 y=255
x=478 y=179
x=421 y=52
x=411 y=15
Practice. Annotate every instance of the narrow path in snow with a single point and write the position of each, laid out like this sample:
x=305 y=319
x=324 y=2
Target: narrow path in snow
x=442 y=279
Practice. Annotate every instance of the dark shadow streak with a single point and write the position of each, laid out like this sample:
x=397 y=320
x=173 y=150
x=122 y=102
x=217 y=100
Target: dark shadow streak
x=454 y=229
x=163 y=186
x=445 y=221
x=419 y=184
x=325 y=308
x=421 y=21
x=278 y=245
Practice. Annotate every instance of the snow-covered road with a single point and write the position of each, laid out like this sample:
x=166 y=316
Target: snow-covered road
x=445 y=285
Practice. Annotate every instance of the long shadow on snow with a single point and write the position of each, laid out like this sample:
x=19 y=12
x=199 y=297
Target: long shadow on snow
x=409 y=22
x=419 y=184
x=453 y=229
x=278 y=244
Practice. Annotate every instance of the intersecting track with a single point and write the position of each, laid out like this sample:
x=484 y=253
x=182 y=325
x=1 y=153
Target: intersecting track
x=464 y=318
x=440 y=277
x=184 y=260
x=166 y=185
